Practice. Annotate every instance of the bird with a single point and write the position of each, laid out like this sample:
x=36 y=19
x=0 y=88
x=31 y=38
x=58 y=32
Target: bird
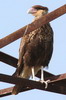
x=35 y=50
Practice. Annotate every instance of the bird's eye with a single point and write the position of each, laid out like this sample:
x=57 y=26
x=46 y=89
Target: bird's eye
x=39 y=8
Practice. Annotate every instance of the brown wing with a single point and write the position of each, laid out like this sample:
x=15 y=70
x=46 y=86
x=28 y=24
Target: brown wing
x=22 y=49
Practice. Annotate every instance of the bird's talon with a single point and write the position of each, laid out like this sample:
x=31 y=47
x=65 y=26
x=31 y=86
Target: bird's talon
x=46 y=83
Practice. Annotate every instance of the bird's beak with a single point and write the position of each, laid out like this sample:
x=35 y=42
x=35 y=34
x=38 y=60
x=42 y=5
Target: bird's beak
x=31 y=11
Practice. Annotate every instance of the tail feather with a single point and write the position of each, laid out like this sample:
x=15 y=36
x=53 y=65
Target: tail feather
x=16 y=89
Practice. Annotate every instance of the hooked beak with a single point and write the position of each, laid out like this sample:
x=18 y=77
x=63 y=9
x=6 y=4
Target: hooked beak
x=31 y=11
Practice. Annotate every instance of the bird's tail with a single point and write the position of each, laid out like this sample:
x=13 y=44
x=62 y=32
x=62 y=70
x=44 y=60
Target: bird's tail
x=16 y=89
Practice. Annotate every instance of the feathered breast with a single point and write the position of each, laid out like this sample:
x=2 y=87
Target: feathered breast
x=38 y=46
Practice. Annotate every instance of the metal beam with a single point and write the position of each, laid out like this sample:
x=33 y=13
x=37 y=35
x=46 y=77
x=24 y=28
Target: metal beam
x=13 y=62
x=8 y=91
x=8 y=59
x=52 y=87
x=13 y=80
x=34 y=25
x=5 y=92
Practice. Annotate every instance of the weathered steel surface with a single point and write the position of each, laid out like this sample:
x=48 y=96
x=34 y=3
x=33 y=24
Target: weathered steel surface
x=7 y=91
x=8 y=59
x=13 y=80
x=34 y=25
x=57 y=84
x=13 y=62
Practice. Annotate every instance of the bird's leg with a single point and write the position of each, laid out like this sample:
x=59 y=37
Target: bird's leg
x=33 y=74
x=42 y=78
x=42 y=74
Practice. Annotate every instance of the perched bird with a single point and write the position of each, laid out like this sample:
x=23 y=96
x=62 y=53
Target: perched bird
x=35 y=49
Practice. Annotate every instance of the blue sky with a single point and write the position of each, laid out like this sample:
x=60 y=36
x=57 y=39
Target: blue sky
x=13 y=15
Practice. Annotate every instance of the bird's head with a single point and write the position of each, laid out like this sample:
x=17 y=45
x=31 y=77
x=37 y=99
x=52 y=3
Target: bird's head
x=38 y=10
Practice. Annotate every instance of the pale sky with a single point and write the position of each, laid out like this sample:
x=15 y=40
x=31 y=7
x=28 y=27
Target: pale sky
x=13 y=16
